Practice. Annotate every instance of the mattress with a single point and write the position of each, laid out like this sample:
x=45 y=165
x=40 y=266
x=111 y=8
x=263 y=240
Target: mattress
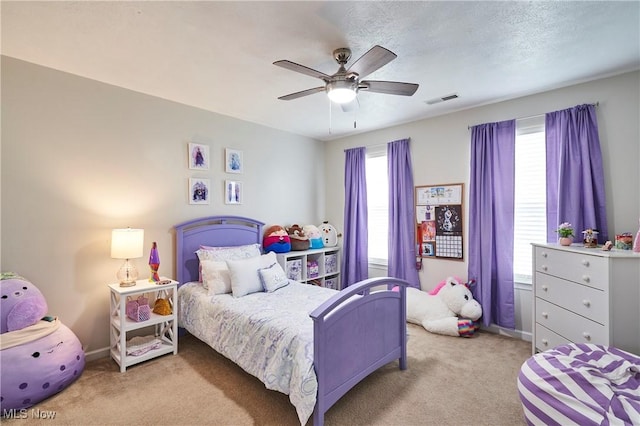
x=269 y=335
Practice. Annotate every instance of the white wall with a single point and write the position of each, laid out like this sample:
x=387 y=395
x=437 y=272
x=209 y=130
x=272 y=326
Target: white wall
x=440 y=153
x=81 y=157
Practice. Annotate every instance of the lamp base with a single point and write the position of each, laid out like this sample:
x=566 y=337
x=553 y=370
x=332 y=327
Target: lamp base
x=128 y=274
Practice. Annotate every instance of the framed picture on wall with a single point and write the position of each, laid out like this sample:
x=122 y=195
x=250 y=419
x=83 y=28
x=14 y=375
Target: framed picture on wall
x=232 y=192
x=198 y=156
x=233 y=161
x=199 y=191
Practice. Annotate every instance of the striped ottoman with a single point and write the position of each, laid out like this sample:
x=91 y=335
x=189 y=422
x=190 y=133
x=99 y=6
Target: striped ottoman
x=581 y=384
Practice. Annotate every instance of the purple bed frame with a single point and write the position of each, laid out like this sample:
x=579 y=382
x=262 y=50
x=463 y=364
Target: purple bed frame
x=351 y=340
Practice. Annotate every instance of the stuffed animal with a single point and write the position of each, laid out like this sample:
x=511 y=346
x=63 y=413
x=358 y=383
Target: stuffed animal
x=451 y=311
x=22 y=303
x=276 y=240
x=299 y=240
x=314 y=235
x=40 y=356
x=329 y=234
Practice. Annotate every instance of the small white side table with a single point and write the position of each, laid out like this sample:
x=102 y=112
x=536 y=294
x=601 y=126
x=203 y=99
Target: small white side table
x=165 y=327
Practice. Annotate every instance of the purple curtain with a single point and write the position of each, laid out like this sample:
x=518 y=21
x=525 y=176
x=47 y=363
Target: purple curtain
x=402 y=228
x=491 y=205
x=575 y=176
x=355 y=255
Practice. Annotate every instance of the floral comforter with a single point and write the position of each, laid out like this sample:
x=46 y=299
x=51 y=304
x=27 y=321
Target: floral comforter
x=269 y=335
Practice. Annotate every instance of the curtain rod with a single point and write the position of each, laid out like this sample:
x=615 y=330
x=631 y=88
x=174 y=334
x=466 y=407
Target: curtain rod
x=595 y=104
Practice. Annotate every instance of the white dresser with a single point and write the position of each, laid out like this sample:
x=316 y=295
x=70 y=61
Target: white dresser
x=585 y=295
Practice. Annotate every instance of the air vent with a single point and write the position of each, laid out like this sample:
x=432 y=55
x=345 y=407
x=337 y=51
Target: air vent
x=442 y=99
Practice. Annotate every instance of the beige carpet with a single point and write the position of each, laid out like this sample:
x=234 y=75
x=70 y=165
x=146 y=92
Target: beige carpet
x=450 y=381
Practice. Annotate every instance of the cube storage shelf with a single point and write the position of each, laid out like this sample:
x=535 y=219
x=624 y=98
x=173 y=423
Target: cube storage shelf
x=313 y=266
x=164 y=327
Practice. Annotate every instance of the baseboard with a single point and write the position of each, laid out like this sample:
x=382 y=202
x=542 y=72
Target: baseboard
x=517 y=334
x=96 y=354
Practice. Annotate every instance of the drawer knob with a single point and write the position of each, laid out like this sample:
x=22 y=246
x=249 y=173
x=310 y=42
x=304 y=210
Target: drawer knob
x=586 y=303
x=586 y=278
x=545 y=342
x=586 y=335
x=544 y=267
x=544 y=254
x=545 y=287
x=545 y=315
x=585 y=262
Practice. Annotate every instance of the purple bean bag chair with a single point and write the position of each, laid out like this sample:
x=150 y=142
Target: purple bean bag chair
x=39 y=356
x=582 y=384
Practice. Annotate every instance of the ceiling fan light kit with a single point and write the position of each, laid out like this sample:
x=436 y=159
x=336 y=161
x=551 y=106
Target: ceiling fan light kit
x=343 y=86
x=342 y=91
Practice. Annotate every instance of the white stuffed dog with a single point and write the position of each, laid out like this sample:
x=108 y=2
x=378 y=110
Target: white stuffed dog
x=452 y=311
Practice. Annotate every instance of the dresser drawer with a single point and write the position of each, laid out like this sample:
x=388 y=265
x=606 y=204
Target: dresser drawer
x=547 y=339
x=581 y=299
x=573 y=266
x=569 y=324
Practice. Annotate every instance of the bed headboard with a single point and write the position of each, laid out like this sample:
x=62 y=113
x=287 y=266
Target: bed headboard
x=218 y=231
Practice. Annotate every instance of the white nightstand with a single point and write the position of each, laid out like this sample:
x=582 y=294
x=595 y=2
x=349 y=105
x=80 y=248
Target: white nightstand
x=165 y=327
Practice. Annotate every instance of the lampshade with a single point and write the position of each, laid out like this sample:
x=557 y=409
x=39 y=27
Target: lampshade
x=127 y=243
x=341 y=91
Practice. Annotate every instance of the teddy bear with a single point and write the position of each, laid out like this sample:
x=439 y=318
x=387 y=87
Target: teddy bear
x=451 y=310
x=314 y=235
x=40 y=355
x=299 y=240
x=276 y=240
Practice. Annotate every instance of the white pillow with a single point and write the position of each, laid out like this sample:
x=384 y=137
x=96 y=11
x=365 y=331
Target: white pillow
x=244 y=276
x=216 y=277
x=273 y=277
x=268 y=259
x=228 y=253
x=222 y=254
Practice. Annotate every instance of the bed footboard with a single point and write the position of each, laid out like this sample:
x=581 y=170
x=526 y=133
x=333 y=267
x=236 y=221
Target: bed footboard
x=356 y=332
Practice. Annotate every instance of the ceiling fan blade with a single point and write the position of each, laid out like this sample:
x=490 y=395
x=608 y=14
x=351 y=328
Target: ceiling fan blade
x=389 y=87
x=351 y=106
x=375 y=58
x=302 y=69
x=297 y=95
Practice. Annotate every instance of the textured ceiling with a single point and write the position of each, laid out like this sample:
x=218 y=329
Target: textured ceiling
x=218 y=55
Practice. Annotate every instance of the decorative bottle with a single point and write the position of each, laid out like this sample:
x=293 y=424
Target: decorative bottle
x=154 y=263
x=636 y=243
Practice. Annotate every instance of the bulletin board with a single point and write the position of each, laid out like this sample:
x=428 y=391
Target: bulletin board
x=439 y=226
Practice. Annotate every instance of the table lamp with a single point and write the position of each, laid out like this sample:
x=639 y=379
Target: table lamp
x=127 y=244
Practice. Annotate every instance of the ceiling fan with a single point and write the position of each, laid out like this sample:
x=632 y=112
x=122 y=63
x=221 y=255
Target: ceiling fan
x=343 y=86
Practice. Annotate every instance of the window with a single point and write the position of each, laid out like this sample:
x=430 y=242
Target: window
x=530 y=220
x=378 y=205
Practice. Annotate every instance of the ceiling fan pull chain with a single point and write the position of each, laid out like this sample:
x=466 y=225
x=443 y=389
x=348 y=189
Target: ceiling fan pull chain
x=329 y=117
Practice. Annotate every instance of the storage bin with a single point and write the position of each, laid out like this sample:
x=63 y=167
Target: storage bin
x=294 y=269
x=332 y=283
x=330 y=263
